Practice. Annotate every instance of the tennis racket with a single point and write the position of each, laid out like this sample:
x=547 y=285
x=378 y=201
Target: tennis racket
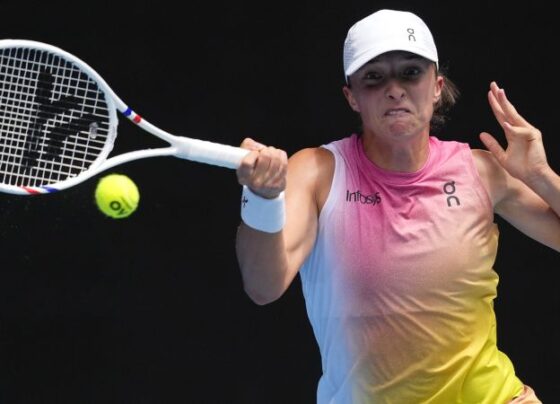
x=58 y=123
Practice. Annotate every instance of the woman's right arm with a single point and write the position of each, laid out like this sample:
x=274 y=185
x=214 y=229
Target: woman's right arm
x=270 y=261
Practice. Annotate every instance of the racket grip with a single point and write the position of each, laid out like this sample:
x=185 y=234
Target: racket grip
x=203 y=151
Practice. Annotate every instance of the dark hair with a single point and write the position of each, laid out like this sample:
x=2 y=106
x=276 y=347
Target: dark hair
x=449 y=95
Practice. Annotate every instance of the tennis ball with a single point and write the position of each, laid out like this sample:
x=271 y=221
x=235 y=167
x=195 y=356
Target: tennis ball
x=117 y=196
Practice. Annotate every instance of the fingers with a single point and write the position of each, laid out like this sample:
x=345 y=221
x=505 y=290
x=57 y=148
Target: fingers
x=503 y=109
x=513 y=124
x=494 y=104
x=250 y=144
x=264 y=169
x=493 y=146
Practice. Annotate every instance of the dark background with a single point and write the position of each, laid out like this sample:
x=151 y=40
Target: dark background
x=151 y=309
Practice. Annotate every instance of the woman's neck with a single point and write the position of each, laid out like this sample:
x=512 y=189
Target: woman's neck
x=404 y=155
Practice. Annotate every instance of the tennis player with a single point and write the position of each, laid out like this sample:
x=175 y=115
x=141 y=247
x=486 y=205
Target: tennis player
x=392 y=229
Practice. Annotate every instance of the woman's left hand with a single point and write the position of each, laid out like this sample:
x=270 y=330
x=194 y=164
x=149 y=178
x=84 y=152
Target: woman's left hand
x=524 y=157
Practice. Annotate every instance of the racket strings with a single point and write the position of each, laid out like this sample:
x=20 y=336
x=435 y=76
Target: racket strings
x=54 y=120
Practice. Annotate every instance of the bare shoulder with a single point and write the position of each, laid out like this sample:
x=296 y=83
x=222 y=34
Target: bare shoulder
x=484 y=161
x=313 y=169
x=493 y=176
x=312 y=158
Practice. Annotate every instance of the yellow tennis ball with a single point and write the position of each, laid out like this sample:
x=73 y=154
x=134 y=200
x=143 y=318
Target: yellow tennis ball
x=117 y=196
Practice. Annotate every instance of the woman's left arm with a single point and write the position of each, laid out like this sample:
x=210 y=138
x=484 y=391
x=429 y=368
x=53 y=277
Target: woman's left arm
x=529 y=190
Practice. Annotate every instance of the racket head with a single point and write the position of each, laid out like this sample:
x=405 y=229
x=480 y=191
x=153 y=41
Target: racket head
x=58 y=119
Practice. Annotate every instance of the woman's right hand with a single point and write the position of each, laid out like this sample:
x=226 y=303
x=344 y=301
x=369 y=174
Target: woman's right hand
x=264 y=169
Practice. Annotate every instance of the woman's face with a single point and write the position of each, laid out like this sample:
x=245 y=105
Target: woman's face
x=395 y=94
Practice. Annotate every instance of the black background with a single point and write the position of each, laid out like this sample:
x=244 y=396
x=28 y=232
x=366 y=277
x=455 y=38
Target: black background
x=151 y=309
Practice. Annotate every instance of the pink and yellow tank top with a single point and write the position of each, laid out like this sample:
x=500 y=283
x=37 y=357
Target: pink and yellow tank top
x=399 y=287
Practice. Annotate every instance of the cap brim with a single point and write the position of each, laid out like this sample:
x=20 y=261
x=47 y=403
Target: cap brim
x=373 y=53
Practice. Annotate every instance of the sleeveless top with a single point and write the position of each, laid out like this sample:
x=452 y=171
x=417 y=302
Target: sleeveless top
x=399 y=286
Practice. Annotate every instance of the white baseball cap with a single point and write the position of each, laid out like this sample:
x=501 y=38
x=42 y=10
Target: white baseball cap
x=385 y=31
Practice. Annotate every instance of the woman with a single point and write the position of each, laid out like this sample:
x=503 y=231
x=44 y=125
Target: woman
x=392 y=230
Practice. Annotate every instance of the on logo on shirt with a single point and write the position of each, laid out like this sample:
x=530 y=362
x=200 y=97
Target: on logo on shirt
x=449 y=189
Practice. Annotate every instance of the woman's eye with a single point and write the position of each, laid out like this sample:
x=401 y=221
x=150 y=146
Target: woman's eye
x=372 y=76
x=411 y=72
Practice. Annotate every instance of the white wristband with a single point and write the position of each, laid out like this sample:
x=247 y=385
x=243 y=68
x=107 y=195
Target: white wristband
x=268 y=215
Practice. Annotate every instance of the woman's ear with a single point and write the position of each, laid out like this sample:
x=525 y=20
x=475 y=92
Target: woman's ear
x=439 y=88
x=350 y=98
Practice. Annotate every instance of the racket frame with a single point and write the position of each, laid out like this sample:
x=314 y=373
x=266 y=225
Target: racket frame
x=179 y=146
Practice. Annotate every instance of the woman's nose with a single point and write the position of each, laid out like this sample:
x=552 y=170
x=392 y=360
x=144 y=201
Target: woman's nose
x=394 y=90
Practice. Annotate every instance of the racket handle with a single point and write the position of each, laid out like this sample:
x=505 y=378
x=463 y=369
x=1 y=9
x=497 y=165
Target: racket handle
x=203 y=151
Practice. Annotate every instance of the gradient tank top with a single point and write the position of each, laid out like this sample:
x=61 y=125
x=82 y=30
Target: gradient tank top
x=399 y=286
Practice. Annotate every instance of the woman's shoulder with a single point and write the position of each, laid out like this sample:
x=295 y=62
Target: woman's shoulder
x=312 y=162
x=313 y=169
x=491 y=173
